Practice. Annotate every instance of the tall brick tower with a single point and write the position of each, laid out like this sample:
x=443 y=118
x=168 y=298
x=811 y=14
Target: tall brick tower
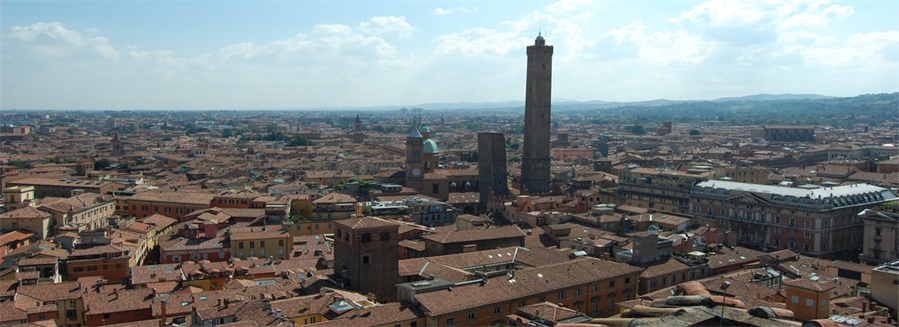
x=536 y=160
x=415 y=165
x=365 y=256
x=492 y=171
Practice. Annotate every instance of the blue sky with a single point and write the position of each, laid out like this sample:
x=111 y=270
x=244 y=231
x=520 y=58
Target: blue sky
x=303 y=54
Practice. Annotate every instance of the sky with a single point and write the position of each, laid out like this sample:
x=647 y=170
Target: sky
x=195 y=55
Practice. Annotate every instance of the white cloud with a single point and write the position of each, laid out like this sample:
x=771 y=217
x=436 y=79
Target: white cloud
x=658 y=47
x=744 y=23
x=53 y=39
x=874 y=47
x=439 y=11
x=514 y=35
x=813 y=17
x=162 y=58
x=387 y=26
x=568 y=6
x=488 y=41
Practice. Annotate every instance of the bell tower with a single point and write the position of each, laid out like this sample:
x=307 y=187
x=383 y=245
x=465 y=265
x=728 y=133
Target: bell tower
x=415 y=166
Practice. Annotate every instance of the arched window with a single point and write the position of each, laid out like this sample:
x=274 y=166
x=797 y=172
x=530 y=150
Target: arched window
x=627 y=294
x=594 y=305
x=579 y=306
x=611 y=302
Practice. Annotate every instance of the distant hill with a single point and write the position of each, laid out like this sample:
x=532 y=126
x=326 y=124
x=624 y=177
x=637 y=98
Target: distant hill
x=772 y=97
x=866 y=109
x=572 y=105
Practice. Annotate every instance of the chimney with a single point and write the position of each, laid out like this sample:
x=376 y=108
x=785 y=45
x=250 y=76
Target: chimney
x=162 y=321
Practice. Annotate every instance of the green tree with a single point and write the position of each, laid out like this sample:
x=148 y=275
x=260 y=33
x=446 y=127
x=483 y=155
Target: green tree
x=298 y=140
x=638 y=129
x=102 y=164
x=695 y=132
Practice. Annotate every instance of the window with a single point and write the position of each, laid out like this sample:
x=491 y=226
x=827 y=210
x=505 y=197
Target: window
x=366 y=260
x=561 y=295
x=281 y=243
x=611 y=301
x=105 y=316
x=471 y=316
x=627 y=280
x=413 y=324
x=577 y=291
x=385 y=236
x=435 y=188
x=91 y=268
x=810 y=302
x=252 y=244
x=78 y=269
x=522 y=303
x=366 y=237
x=262 y=244
x=611 y=284
x=176 y=258
x=450 y=321
x=497 y=310
x=795 y=299
x=71 y=314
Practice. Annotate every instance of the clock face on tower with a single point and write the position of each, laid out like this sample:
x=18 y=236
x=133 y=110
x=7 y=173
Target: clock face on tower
x=416 y=172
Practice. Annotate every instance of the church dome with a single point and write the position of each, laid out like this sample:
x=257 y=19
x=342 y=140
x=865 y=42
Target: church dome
x=425 y=129
x=431 y=146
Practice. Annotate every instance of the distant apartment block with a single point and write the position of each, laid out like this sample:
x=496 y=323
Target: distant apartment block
x=881 y=236
x=169 y=204
x=788 y=133
x=817 y=222
x=65 y=187
x=660 y=190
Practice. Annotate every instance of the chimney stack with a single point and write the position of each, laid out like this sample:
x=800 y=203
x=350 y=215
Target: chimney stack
x=163 y=318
